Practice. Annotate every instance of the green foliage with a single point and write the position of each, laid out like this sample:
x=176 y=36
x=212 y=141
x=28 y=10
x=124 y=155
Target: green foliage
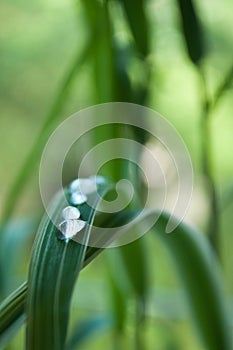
x=11 y=314
x=192 y=256
x=192 y=30
x=55 y=266
x=136 y=13
x=196 y=262
x=121 y=67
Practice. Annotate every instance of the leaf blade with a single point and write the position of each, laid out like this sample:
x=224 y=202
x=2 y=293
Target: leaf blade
x=135 y=12
x=11 y=312
x=211 y=316
x=55 y=266
x=200 y=276
x=192 y=30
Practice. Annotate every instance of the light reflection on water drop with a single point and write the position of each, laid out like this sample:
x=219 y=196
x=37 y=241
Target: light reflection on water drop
x=74 y=185
x=87 y=185
x=78 y=198
x=70 y=213
x=78 y=190
x=69 y=228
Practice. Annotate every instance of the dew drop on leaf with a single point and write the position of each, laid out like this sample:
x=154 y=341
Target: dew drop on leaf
x=74 y=185
x=84 y=186
x=69 y=228
x=78 y=198
x=70 y=213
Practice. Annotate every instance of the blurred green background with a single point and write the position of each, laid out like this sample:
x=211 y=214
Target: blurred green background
x=39 y=41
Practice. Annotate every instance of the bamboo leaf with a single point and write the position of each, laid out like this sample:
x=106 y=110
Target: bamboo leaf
x=16 y=301
x=192 y=30
x=135 y=12
x=130 y=260
x=118 y=286
x=11 y=314
x=119 y=305
x=98 y=20
x=200 y=275
x=54 y=268
x=134 y=258
x=12 y=309
x=198 y=268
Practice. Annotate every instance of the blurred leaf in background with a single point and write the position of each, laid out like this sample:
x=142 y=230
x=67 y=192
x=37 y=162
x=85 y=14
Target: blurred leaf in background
x=58 y=57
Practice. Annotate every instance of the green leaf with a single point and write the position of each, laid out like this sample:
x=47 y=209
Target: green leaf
x=192 y=30
x=17 y=300
x=54 y=268
x=129 y=276
x=135 y=12
x=99 y=24
x=134 y=258
x=118 y=304
x=201 y=279
x=11 y=314
x=200 y=276
x=12 y=309
x=118 y=287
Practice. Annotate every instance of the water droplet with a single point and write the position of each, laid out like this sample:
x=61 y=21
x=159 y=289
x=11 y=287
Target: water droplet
x=69 y=228
x=69 y=213
x=85 y=186
x=78 y=198
x=74 y=185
